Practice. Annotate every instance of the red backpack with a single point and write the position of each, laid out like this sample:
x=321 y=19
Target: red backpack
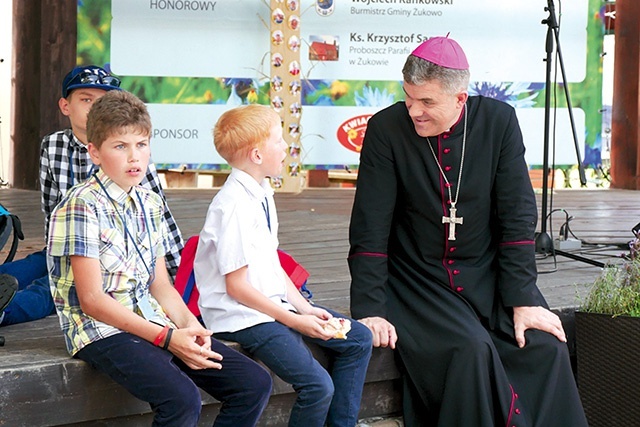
x=185 y=282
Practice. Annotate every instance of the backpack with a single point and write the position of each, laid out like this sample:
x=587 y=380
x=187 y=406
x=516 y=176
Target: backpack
x=10 y=227
x=185 y=282
x=296 y=272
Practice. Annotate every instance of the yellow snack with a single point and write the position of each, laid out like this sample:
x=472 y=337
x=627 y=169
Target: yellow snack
x=339 y=327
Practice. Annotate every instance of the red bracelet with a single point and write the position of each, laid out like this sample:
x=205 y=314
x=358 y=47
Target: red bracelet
x=161 y=335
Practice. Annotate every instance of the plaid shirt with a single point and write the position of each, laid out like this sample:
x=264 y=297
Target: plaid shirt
x=91 y=223
x=65 y=161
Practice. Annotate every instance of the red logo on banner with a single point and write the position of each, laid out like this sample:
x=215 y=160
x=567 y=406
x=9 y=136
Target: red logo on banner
x=351 y=132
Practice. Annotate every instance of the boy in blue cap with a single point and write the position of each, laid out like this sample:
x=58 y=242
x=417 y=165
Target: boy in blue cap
x=64 y=162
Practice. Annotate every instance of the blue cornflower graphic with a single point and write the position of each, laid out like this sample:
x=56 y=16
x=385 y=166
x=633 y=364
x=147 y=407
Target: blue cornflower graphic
x=373 y=97
x=507 y=92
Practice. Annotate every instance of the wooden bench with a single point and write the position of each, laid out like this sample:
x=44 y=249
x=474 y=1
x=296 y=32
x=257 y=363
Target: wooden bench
x=40 y=384
x=191 y=178
x=331 y=178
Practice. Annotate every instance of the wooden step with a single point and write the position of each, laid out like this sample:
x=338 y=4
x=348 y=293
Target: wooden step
x=41 y=385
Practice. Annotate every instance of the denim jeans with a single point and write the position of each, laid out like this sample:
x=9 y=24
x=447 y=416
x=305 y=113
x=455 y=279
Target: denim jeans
x=33 y=300
x=171 y=388
x=323 y=397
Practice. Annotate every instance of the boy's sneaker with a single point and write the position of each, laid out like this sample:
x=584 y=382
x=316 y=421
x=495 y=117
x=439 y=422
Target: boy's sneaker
x=8 y=288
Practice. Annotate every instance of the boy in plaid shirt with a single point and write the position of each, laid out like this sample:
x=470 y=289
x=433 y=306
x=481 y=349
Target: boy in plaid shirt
x=118 y=309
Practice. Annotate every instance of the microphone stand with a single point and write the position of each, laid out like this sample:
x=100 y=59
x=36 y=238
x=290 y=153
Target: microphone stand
x=544 y=243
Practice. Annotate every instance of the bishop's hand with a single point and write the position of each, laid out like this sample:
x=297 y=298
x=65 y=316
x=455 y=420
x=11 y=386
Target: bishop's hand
x=536 y=318
x=384 y=333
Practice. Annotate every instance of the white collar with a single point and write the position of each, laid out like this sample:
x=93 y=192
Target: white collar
x=255 y=189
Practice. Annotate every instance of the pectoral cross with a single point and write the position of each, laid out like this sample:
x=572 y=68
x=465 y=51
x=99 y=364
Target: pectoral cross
x=452 y=220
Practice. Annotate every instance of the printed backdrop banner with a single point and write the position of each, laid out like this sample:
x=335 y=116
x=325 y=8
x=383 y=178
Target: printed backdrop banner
x=504 y=39
x=183 y=38
x=191 y=60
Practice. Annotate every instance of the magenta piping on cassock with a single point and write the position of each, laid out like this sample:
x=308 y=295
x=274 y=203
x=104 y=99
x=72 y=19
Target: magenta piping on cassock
x=513 y=403
x=369 y=254
x=517 y=243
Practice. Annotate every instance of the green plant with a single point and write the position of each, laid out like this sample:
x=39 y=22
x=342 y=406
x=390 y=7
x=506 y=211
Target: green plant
x=616 y=291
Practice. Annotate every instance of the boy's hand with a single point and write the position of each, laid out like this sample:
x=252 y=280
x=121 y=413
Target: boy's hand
x=193 y=346
x=311 y=326
x=320 y=313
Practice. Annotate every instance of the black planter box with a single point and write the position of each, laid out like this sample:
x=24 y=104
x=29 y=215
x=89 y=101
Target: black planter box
x=608 y=360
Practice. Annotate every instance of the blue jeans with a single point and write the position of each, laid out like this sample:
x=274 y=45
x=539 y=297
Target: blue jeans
x=332 y=397
x=33 y=300
x=171 y=388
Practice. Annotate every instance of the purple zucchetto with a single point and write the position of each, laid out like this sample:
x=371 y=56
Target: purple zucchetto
x=442 y=51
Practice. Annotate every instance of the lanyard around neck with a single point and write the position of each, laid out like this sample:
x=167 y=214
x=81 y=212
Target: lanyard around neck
x=150 y=271
x=265 y=207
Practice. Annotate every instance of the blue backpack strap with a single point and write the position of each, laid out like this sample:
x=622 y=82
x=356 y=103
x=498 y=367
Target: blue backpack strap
x=17 y=236
x=305 y=291
x=188 y=289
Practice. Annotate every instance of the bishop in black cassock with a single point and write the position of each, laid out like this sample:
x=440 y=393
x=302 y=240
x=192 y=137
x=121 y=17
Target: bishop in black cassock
x=454 y=283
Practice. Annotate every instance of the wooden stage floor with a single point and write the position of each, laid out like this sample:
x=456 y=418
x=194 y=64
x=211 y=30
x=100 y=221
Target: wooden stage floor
x=314 y=226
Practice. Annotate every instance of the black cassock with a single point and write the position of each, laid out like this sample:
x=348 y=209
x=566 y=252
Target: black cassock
x=450 y=299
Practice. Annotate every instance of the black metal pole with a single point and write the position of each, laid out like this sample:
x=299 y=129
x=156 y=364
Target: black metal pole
x=580 y=258
x=556 y=32
x=544 y=243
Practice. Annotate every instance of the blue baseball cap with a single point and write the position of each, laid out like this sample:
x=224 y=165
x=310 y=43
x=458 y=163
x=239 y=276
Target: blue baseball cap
x=89 y=76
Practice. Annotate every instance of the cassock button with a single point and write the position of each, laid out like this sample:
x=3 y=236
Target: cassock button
x=447 y=184
x=459 y=289
x=452 y=248
x=447 y=168
x=445 y=136
x=517 y=411
x=450 y=261
x=456 y=272
x=447 y=150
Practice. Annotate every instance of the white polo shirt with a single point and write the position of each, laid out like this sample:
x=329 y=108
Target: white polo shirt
x=235 y=235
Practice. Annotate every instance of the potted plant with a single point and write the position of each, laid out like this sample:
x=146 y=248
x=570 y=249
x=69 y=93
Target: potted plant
x=608 y=347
